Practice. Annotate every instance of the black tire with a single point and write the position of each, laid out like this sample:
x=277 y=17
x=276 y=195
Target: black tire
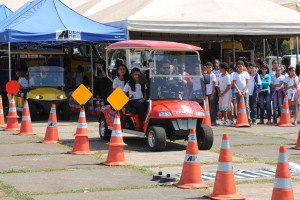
x=156 y=138
x=104 y=132
x=64 y=112
x=33 y=112
x=205 y=137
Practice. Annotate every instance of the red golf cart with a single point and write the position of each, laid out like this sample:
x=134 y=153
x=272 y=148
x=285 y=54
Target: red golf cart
x=172 y=74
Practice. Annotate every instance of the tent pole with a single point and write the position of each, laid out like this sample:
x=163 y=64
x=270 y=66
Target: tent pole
x=128 y=54
x=221 y=51
x=297 y=50
x=277 y=49
x=264 y=47
x=233 y=50
x=92 y=73
x=9 y=62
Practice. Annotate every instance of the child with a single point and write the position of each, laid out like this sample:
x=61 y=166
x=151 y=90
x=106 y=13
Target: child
x=137 y=93
x=241 y=81
x=210 y=92
x=232 y=69
x=275 y=64
x=122 y=77
x=254 y=89
x=225 y=94
x=278 y=93
x=216 y=72
x=197 y=85
x=265 y=94
x=290 y=86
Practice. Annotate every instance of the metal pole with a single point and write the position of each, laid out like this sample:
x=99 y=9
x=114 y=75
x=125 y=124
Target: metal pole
x=233 y=50
x=128 y=53
x=92 y=73
x=221 y=50
x=277 y=49
x=297 y=50
x=264 y=47
x=9 y=62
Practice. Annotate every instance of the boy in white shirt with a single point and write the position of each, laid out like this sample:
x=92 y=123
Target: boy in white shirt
x=224 y=91
x=210 y=92
x=241 y=82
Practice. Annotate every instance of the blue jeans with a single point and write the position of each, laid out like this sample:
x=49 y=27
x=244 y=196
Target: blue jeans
x=105 y=93
x=253 y=106
x=265 y=96
x=140 y=108
x=277 y=105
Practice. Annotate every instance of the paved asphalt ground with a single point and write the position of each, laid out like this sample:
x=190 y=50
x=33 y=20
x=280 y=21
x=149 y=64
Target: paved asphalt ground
x=31 y=170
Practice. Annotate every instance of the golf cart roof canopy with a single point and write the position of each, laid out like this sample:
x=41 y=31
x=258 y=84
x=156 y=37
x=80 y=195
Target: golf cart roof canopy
x=153 y=45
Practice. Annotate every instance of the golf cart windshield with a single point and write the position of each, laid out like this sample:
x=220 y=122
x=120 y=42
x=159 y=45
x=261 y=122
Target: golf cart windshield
x=176 y=75
x=46 y=76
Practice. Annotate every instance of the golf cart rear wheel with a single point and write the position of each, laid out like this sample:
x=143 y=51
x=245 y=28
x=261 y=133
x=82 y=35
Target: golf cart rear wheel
x=65 y=112
x=205 y=137
x=33 y=112
x=156 y=138
x=104 y=132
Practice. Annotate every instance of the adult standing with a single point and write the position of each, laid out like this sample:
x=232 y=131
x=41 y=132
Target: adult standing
x=103 y=83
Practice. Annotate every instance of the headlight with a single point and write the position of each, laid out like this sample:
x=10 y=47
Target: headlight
x=201 y=114
x=60 y=96
x=164 y=114
x=39 y=97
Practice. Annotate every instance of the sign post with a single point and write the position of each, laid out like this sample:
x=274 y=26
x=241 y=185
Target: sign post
x=82 y=95
x=117 y=99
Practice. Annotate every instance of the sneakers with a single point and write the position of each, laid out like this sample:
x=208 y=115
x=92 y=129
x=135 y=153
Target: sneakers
x=229 y=123
x=269 y=122
x=213 y=123
x=261 y=122
x=254 y=122
x=223 y=122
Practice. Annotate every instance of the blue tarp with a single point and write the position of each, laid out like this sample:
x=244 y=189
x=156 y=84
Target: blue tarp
x=52 y=22
x=4 y=12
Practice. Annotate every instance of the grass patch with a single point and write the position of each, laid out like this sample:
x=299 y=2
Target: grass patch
x=249 y=145
x=98 y=190
x=10 y=191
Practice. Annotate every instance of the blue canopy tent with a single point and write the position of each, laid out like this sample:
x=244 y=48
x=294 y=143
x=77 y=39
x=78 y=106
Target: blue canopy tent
x=52 y=23
x=4 y=12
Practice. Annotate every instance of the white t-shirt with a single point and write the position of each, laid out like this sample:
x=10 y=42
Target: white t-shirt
x=241 y=80
x=290 y=82
x=218 y=74
x=118 y=83
x=209 y=86
x=23 y=82
x=196 y=83
x=138 y=94
x=224 y=81
x=252 y=83
x=276 y=80
x=271 y=72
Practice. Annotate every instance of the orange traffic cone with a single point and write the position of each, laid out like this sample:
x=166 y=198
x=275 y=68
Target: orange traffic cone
x=283 y=183
x=97 y=108
x=242 y=117
x=2 y=122
x=285 y=117
x=81 y=143
x=51 y=135
x=26 y=126
x=90 y=108
x=298 y=142
x=12 y=118
x=191 y=172
x=224 y=187
x=115 y=155
x=207 y=119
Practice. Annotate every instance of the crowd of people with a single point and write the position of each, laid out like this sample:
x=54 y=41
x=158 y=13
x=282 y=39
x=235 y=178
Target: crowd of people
x=260 y=86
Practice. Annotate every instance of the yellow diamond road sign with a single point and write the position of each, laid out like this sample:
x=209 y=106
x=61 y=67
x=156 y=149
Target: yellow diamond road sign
x=82 y=94
x=117 y=99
